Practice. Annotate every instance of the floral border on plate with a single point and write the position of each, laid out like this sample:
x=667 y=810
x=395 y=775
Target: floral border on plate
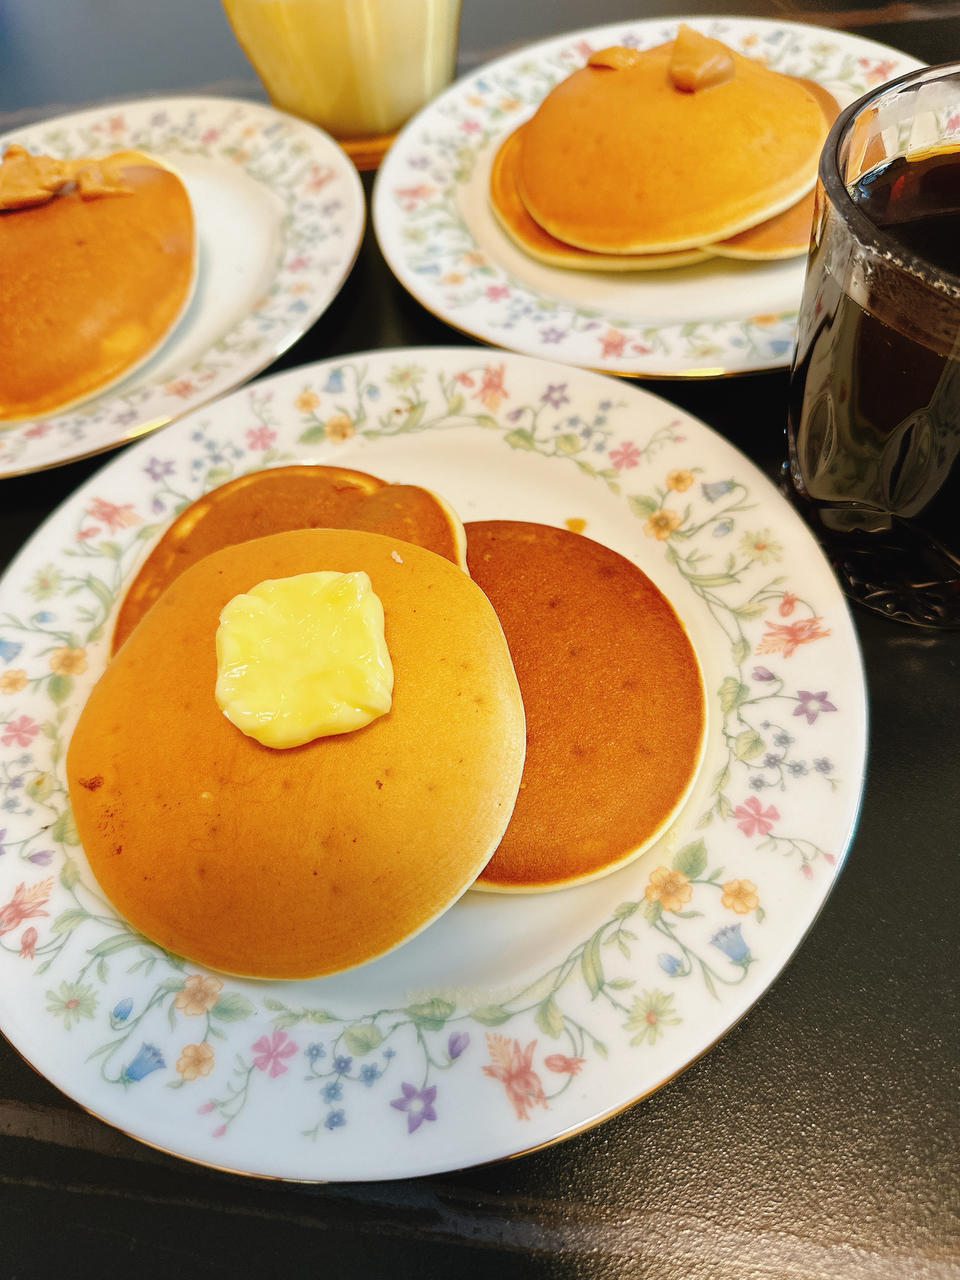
x=264 y=1077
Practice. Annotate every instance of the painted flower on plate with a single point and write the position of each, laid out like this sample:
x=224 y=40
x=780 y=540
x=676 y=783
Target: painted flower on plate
x=200 y=993
x=672 y=889
x=649 y=1014
x=513 y=1067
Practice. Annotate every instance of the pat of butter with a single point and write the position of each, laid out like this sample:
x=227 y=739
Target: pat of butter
x=303 y=657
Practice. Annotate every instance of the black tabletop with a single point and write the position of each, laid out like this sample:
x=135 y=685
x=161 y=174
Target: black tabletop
x=818 y=1139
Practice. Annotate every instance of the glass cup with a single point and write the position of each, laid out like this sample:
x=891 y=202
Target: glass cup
x=357 y=68
x=874 y=415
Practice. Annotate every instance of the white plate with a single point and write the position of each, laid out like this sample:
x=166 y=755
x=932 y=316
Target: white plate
x=436 y=230
x=513 y=1020
x=279 y=212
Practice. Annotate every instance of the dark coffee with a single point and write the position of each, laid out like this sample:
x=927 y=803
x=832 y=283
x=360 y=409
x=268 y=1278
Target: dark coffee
x=874 y=423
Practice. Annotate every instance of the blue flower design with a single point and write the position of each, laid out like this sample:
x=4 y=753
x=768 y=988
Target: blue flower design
x=122 y=1009
x=722 y=528
x=822 y=765
x=782 y=739
x=9 y=650
x=333 y=1091
x=796 y=768
x=335 y=1120
x=757 y=783
x=314 y=1052
x=373 y=393
x=771 y=760
x=731 y=942
x=148 y=1058
x=668 y=963
x=716 y=489
x=342 y=1063
x=369 y=1073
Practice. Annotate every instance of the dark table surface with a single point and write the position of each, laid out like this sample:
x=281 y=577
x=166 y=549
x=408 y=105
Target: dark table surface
x=818 y=1139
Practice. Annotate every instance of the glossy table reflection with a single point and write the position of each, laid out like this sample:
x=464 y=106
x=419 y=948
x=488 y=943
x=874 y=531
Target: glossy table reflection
x=819 y=1139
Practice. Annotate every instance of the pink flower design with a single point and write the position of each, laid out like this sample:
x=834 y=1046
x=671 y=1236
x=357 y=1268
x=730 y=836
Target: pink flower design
x=24 y=904
x=20 y=732
x=409 y=196
x=28 y=943
x=612 y=343
x=470 y=126
x=320 y=175
x=298 y=263
x=513 y=1067
x=260 y=437
x=209 y=135
x=113 y=515
x=754 y=819
x=625 y=455
x=91 y=531
x=563 y=1065
x=497 y=291
x=182 y=387
x=271 y=1050
x=787 y=604
x=205 y=1108
x=38 y=429
x=786 y=637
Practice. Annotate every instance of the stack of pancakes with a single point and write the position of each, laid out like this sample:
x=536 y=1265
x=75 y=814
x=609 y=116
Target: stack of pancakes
x=546 y=727
x=654 y=159
x=98 y=265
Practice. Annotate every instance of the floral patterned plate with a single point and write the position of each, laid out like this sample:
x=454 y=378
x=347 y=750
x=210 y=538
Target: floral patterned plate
x=513 y=1020
x=280 y=214
x=442 y=242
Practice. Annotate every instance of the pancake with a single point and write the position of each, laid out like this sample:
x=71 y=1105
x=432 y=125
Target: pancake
x=91 y=281
x=618 y=159
x=528 y=235
x=283 y=498
x=613 y=698
x=788 y=234
x=300 y=862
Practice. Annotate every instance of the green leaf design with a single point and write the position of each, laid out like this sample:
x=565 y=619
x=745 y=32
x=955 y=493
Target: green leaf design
x=59 y=687
x=741 y=651
x=432 y=1014
x=691 y=860
x=625 y=909
x=313 y=435
x=732 y=694
x=64 y=830
x=549 y=1018
x=490 y=1015
x=724 y=807
x=69 y=874
x=568 y=443
x=520 y=438
x=592 y=966
x=232 y=1007
x=455 y=406
x=362 y=1037
x=69 y=919
x=652 y=911
x=748 y=745
x=642 y=506
x=101 y=590
x=751 y=609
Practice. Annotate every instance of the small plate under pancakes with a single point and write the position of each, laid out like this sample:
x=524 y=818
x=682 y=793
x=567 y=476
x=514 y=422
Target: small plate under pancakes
x=445 y=245
x=514 y=1020
x=280 y=213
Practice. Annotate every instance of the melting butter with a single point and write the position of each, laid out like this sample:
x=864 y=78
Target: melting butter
x=303 y=657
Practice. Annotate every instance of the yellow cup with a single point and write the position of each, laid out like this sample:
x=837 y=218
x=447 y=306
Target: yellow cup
x=357 y=68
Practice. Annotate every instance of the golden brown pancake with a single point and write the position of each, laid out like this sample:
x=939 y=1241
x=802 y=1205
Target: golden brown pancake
x=91 y=281
x=787 y=235
x=283 y=498
x=618 y=159
x=613 y=698
x=295 y=863
x=529 y=236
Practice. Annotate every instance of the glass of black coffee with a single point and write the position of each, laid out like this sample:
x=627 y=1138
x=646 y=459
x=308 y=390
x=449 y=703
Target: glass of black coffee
x=874 y=418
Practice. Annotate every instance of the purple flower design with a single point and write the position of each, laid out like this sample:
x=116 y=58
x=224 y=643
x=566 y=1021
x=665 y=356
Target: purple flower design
x=556 y=395
x=552 y=334
x=417 y=1103
x=42 y=858
x=157 y=468
x=762 y=673
x=457 y=1044
x=811 y=704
